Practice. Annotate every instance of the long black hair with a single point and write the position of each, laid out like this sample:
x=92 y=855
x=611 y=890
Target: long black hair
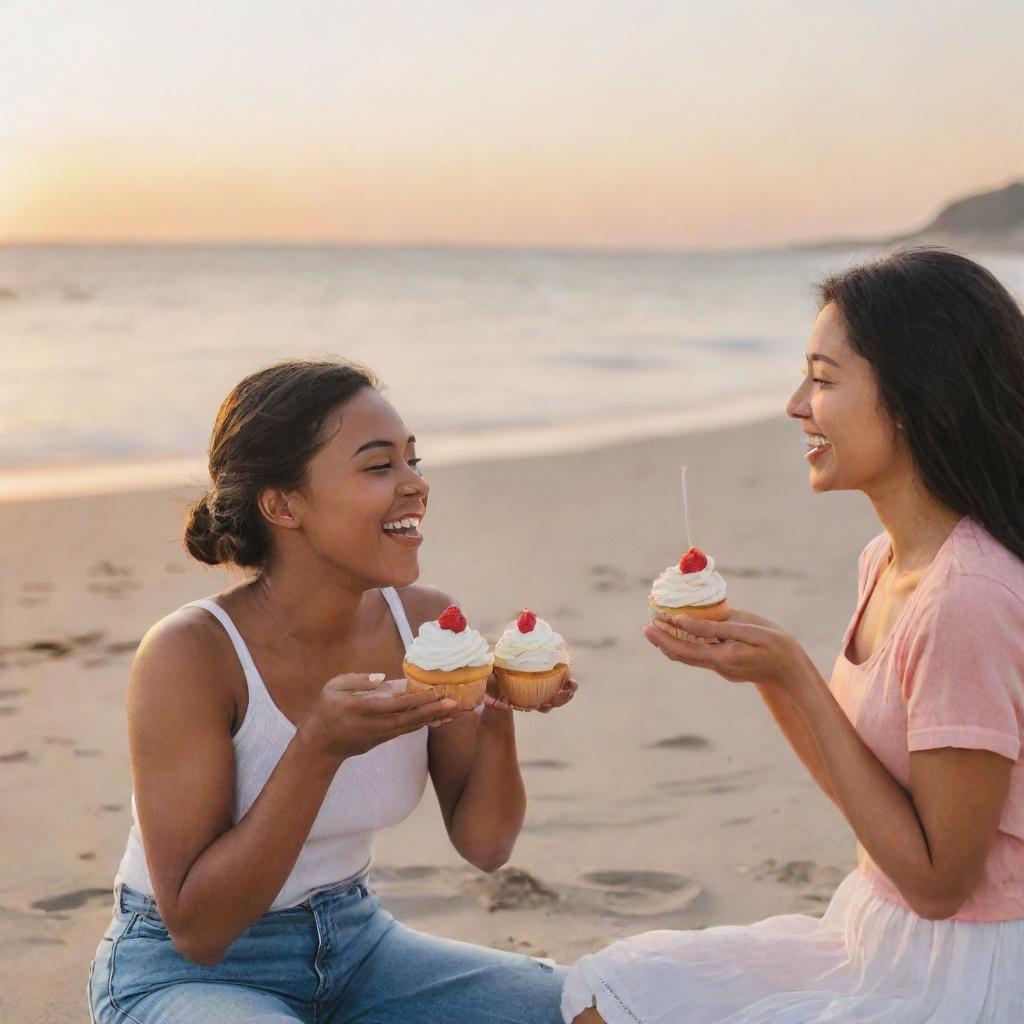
x=946 y=342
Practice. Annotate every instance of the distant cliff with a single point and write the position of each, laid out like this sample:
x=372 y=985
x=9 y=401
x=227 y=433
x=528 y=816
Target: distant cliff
x=990 y=220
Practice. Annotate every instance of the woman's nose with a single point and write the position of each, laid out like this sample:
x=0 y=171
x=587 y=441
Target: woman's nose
x=798 y=406
x=415 y=484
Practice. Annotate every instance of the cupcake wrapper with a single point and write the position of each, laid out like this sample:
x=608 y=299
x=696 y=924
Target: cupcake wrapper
x=718 y=612
x=466 y=694
x=528 y=690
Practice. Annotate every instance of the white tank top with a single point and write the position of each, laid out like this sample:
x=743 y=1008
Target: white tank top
x=370 y=791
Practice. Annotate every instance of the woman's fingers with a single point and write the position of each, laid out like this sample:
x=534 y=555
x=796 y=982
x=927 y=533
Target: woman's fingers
x=385 y=706
x=355 y=682
x=692 y=652
x=707 y=629
x=491 y=701
x=409 y=721
x=560 y=699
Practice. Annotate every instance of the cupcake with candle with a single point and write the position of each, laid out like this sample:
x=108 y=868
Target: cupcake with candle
x=530 y=662
x=450 y=658
x=692 y=587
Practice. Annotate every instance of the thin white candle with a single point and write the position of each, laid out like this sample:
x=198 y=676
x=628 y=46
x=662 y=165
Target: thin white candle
x=686 y=509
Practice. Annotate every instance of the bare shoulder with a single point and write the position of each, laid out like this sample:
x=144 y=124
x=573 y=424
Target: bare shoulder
x=423 y=603
x=184 y=663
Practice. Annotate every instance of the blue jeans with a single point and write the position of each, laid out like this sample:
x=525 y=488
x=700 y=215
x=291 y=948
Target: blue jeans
x=339 y=958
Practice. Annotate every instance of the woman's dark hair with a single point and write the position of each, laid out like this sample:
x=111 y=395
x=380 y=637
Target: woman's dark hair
x=946 y=342
x=266 y=432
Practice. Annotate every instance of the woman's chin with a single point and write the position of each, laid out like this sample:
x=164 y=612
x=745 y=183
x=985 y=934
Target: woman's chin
x=403 y=577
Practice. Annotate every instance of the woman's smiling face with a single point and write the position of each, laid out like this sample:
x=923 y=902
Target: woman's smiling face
x=853 y=444
x=361 y=507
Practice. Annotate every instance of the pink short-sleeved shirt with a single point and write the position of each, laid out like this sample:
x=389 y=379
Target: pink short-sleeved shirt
x=950 y=674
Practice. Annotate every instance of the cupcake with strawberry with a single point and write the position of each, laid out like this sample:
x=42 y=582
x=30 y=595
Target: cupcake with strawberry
x=692 y=587
x=450 y=658
x=530 y=661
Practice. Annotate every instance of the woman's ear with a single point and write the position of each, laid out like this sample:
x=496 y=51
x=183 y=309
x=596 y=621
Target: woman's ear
x=279 y=507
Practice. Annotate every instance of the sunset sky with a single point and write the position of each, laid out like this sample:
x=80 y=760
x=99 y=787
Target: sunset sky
x=567 y=123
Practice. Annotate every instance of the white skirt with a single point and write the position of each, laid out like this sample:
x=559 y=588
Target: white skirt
x=867 y=961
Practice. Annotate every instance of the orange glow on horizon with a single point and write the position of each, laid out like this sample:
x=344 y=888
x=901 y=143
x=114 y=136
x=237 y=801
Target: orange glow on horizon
x=664 y=126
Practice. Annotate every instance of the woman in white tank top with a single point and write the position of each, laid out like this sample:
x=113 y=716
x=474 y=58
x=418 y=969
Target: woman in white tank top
x=266 y=751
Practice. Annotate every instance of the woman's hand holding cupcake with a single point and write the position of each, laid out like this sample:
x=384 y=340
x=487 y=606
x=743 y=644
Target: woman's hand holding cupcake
x=745 y=648
x=451 y=659
x=531 y=667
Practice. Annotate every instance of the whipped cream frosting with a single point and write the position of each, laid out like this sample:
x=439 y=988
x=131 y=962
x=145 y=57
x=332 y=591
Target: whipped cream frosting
x=537 y=651
x=436 y=649
x=675 y=589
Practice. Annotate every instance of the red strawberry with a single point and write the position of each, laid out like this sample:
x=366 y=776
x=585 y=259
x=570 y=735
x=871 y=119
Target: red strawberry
x=693 y=561
x=452 y=618
x=526 y=621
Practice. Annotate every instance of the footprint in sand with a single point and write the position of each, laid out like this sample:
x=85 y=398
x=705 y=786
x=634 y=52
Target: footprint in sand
x=819 y=880
x=18 y=691
x=71 y=900
x=705 y=785
x=88 y=639
x=15 y=757
x=413 y=872
x=123 y=647
x=111 y=808
x=687 y=741
x=54 y=648
x=34 y=594
x=512 y=889
x=609 y=821
x=20 y=928
x=635 y=893
x=420 y=888
x=774 y=572
x=87 y=753
x=112 y=580
x=798 y=872
x=548 y=764
x=7 y=710
x=609 y=579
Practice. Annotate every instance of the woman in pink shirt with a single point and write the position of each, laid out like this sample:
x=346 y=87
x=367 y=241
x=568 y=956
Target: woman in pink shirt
x=914 y=395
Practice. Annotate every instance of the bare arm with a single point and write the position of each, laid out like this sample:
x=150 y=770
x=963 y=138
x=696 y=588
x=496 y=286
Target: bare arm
x=474 y=765
x=785 y=711
x=475 y=771
x=211 y=878
x=932 y=839
x=794 y=727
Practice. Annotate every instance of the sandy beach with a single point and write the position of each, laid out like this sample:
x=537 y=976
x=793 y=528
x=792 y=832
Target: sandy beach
x=661 y=798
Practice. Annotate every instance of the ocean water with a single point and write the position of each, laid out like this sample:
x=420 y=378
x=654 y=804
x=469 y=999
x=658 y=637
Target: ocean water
x=116 y=358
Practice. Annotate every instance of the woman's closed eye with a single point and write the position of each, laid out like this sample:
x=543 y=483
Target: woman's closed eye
x=816 y=380
x=383 y=467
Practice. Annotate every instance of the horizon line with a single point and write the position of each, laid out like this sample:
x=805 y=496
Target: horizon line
x=428 y=246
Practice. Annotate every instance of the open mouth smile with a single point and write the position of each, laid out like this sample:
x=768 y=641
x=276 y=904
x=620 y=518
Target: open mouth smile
x=817 y=444
x=406 y=528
